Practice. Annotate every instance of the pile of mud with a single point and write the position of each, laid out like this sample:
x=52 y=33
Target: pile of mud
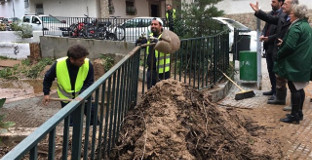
x=175 y=121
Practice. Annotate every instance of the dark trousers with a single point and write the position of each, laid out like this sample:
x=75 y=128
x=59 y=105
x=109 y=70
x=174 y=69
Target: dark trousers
x=85 y=112
x=153 y=77
x=171 y=28
x=270 y=64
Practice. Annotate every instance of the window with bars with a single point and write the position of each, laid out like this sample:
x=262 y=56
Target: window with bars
x=130 y=8
x=111 y=8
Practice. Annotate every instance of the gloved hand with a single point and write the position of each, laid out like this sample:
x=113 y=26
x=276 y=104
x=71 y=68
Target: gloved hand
x=153 y=39
x=140 y=41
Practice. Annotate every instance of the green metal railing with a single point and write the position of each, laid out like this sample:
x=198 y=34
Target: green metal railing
x=114 y=94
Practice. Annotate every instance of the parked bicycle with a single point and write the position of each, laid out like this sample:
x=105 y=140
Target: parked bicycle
x=92 y=28
x=117 y=29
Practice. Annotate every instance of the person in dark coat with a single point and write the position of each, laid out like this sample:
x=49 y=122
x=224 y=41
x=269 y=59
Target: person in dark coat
x=268 y=36
x=294 y=60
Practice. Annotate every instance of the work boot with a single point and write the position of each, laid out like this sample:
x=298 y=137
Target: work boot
x=271 y=97
x=280 y=97
x=296 y=100
x=268 y=93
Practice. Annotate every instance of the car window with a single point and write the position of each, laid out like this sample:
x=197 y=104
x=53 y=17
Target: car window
x=26 y=19
x=50 y=19
x=236 y=24
x=133 y=23
x=35 y=20
x=146 y=22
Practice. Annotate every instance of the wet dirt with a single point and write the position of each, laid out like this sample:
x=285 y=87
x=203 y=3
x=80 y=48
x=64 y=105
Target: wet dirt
x=14 y=90
x=174 y=121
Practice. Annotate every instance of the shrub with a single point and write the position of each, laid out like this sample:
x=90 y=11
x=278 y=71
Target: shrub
x=25 y=31
x=37 y=68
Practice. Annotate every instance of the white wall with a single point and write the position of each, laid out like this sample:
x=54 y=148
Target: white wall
x=6 y=10
x=77 y=8
x=142 y=6
x=68 y=8
x=242 y=6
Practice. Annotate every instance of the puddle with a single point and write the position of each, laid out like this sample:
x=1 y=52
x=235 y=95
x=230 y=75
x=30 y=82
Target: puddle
x=21 y=89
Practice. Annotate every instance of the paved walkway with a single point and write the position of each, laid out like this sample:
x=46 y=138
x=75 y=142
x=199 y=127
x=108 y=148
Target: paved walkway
x=298 y=137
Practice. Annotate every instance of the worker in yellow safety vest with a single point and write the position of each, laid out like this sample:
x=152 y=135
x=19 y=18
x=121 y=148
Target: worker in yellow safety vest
x=74 y=74
x=158 y=62
x=170 y=17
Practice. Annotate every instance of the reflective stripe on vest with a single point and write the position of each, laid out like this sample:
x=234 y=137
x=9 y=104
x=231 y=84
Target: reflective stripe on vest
x=173 y=14
x=163 y=64
x=63 y=80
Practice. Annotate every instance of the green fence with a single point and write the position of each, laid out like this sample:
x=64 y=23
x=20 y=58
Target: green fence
x=114 y=94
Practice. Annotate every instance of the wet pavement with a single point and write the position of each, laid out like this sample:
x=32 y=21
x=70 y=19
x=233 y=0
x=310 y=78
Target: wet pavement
x=14 y=90
x=297 y=137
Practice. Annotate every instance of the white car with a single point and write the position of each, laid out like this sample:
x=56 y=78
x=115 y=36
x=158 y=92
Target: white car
x=47 y=23
x=244 y=31
x=136 y=27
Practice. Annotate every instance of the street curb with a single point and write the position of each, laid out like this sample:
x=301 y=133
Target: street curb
x=219 y=91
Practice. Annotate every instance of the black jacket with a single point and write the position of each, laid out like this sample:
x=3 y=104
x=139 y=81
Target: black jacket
x=282 y=22
x=73 y=71
x=269 y=30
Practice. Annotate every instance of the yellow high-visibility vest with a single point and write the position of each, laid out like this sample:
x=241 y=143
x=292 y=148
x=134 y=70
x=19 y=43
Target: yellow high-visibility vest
x=173 y=14
x=63 y=80
x=164 y=58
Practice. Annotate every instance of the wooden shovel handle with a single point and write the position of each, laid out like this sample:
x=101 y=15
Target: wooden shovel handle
x=60 y=99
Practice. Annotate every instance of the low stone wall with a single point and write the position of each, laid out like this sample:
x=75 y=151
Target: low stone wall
x=56 y=47
x=250 y=20
x=14 y=50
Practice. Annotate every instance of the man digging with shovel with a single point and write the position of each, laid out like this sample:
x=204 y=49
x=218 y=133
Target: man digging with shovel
x=74 y=74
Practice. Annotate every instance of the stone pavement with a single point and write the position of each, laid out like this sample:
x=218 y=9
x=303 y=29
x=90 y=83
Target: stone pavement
x=298 y=137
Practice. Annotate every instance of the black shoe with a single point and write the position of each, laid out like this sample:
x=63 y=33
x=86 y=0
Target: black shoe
x=300 y=116
x=276 y=101
x=268 y=93
x=290 y=119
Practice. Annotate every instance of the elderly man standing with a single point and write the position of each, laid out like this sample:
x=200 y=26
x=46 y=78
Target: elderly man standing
x=283 y=22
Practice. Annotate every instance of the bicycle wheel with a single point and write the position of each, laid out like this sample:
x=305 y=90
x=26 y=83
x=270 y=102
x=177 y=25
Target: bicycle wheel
x=73 y=31
x=101 y=33
x=111 y=36
x=120 y=33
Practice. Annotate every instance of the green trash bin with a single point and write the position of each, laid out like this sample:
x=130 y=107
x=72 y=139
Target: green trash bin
x=248 y=65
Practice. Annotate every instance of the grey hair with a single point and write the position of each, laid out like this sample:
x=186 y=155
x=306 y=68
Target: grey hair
x=300 y=11
x=295 y=2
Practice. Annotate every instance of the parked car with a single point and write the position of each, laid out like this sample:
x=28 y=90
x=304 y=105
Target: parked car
x=47 y=23
x=244 y=31
x=13 y=20
x=135 y=27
